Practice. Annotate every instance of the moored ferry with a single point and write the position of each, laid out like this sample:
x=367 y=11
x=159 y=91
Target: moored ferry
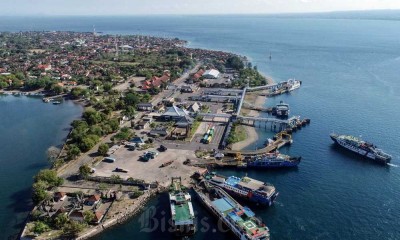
x=361 y=147
x=240 y=220
x=273 y=160
x=181 y=209
x=293 y=84
x=245 y=187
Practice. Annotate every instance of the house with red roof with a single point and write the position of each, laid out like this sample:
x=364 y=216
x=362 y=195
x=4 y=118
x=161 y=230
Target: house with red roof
x=92 y=200
x=44 y=67
x=155 y=82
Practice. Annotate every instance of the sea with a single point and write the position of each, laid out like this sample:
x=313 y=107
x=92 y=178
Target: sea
x=349 y=65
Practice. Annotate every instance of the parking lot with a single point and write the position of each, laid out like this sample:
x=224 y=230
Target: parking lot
x=148 y=171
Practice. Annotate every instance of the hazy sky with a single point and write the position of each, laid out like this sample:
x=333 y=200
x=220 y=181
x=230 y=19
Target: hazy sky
x=132 y=7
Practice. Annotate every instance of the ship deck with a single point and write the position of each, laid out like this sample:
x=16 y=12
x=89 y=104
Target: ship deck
x=242 y=217
x=182 y=213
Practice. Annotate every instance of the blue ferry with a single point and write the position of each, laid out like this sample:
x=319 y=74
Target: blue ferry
x=245 y=187
x=273 y=160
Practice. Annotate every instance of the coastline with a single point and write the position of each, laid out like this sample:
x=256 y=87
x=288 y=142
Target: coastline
x=252 y=135
x=139 y=203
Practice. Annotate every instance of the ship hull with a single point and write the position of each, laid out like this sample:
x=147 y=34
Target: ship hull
x=253 y=199
x=363 y=153
x=274 y=164
x=225 y=222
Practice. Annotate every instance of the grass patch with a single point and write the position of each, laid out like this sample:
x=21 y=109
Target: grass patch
x=237 y=134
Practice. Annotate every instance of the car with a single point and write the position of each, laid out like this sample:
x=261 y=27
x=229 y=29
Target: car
x=163 y=148
x=121 y=170
x=109 y=159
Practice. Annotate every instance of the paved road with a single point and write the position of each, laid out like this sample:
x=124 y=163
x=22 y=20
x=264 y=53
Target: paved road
x=73 y=167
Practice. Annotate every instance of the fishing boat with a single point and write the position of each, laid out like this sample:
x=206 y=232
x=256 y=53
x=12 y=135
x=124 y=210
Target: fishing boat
x=361 y=147
x=273 y=160
x=240 y=220
x=181 y=209
x=246 y=188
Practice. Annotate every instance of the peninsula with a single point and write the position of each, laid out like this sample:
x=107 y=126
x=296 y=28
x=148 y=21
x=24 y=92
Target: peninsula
x=154 y=109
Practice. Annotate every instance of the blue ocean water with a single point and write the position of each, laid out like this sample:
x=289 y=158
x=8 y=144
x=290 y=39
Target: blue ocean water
x=28 y=127
x=350 y=73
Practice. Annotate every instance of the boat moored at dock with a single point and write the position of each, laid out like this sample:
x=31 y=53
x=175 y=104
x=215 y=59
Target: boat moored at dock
x=361 y=147
x=273 y=160
x=245 y=187
x=181 y=209
x=293 y=84
x=282 y=110
x=240 y=220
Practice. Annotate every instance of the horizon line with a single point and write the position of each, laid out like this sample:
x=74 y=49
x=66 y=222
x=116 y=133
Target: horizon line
x=197 y=14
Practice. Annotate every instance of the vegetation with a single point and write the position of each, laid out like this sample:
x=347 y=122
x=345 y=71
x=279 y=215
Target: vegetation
x=40 y=227
x=103 y=149
x=124 y=134
x=72 y=228
x=84 y=170
x=44 y=180
x=235 y=62
x=250 y=76
x=237 y=134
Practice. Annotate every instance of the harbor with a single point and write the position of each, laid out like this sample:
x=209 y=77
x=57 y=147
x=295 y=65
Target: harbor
x=320 y=157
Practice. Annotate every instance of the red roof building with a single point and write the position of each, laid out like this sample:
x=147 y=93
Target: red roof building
x=155 y=82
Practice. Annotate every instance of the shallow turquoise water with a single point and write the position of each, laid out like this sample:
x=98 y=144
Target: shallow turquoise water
x=350 y=73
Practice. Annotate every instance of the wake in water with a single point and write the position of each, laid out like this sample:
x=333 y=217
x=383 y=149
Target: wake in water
x=392 y=165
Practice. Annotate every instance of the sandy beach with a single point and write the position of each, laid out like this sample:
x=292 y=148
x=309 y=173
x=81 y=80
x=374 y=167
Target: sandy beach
x=251 y=132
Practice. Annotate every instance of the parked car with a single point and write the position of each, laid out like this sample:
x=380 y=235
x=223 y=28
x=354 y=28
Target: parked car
x=121 y=170
x=109 y=159
x=163 y=148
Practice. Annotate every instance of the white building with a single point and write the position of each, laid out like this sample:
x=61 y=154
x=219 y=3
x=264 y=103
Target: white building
x=211 y=74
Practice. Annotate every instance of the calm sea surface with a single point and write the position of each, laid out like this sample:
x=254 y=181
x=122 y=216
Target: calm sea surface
x=28 y=127
x=350 y=70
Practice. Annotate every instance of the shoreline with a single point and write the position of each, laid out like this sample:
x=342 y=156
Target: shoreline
x=139 y=203
x=252 y=135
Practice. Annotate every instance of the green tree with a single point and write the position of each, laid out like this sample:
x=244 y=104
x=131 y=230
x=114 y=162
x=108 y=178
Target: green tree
x=40 y=227
x=84 y=170
x=72 y=229
x=60 y=221
x=39 y=191
x=86 y=144
x=235 y=62
x=73 y=151
x=50 y=177
x=92 y=116
x=103 y=149
x=88 y=216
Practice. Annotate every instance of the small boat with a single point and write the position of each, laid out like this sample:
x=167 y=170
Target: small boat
x=361 y=147
x=56 y=102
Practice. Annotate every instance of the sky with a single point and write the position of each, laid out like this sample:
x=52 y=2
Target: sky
x=148 y=7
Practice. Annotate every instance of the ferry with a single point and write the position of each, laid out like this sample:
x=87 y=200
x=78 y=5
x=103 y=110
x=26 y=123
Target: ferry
x=245 y=187
x=293 y=84
x=361 y=147
x=282 y=110
x=240 y=220
x=181 y=209
x=273 y=160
